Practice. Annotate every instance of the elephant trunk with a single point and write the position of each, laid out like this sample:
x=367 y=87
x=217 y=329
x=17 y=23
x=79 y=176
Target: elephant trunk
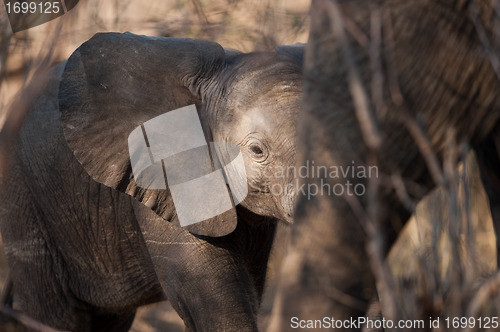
x=288 y=203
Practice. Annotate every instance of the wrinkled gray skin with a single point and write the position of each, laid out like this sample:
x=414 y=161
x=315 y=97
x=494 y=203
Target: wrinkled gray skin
x=445 y=79
x=83 y=253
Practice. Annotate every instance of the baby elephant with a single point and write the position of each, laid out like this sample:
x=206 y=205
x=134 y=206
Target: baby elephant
x=88 y=241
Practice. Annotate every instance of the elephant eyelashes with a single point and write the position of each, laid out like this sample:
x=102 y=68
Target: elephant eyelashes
x=259 y=153
x=256 y=150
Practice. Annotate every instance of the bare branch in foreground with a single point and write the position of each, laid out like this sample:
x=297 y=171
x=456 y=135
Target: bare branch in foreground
x=27 y=320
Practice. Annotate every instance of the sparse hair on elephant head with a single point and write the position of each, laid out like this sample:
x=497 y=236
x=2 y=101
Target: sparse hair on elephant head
x=115 y=82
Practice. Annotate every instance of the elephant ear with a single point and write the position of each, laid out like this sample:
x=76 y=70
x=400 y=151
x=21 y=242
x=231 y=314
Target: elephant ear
x=295 y=51
x=112 y=86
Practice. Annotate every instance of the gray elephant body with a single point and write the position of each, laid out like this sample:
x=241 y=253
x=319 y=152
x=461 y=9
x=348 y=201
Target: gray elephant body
x=411 y=79
x=83 y=254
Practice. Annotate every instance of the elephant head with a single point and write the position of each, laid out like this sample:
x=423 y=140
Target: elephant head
x=114 y=83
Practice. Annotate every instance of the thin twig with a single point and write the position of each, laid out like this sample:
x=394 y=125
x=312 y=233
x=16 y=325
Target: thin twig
x=418 y=134
x=27 y=320
x=372 y=137
x=376 y=59
x=6 y=298
x=402 y=192
x=483 y=37
x=489 y=290
x=455 y=270
x=366 y=117
x=17 y=112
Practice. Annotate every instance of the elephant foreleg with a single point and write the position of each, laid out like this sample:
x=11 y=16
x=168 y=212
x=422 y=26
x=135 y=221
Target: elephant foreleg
x=205 y=279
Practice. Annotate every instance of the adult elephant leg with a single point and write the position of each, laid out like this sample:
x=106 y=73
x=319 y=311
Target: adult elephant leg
x=327 y=271
x=206 y=281
x=331 y=266
x=488 y=159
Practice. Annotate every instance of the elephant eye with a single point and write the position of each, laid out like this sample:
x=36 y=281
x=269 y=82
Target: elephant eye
x=256 y=150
